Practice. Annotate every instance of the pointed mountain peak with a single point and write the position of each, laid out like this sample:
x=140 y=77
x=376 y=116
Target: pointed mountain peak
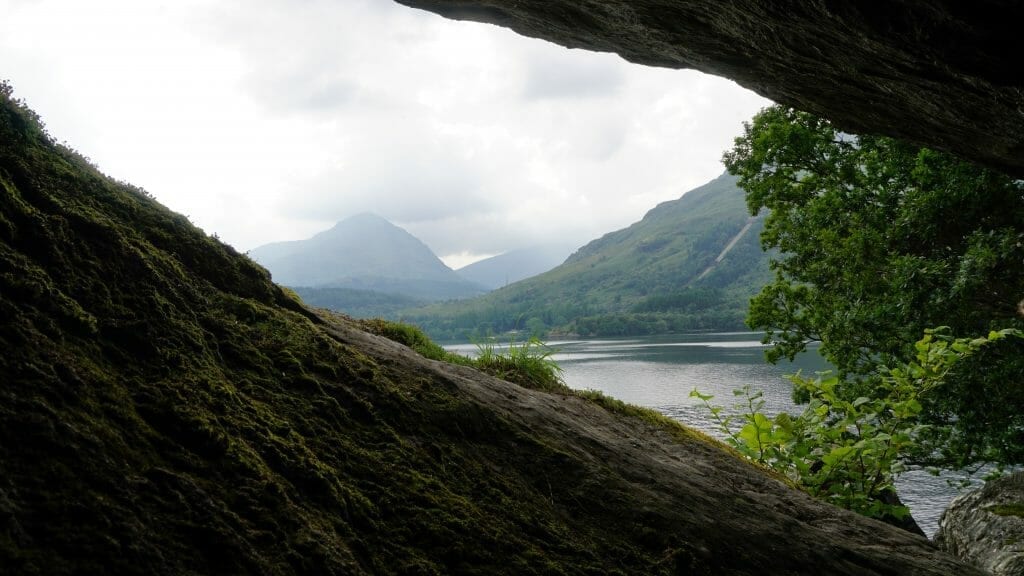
x=364 y=251
x=361 y=221
x=365 y=217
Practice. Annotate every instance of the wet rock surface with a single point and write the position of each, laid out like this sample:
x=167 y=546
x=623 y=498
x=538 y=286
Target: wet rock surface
x=985 y=527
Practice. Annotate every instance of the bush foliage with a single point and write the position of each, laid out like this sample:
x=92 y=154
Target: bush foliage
x=849 y=452
x=878 y=240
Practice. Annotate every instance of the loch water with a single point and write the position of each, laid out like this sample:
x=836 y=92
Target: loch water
x=660 y=371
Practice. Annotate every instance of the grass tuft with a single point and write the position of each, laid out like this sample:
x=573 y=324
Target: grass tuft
x=529 y=364
x=414 y=338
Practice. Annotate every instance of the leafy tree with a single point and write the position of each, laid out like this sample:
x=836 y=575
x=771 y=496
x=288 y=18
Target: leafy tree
x=659 y=275
x=844 y=451
x=879 y=240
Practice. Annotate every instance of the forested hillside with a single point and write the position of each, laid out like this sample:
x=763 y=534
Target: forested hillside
x=662 y=274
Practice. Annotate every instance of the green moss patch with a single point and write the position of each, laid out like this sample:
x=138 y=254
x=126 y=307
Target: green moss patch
x=1014 y=509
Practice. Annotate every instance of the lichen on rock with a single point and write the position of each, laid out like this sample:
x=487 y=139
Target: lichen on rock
x=985 y=527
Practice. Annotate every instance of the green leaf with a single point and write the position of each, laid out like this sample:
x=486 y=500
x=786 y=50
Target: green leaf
x=704 y=397
x=875 y=239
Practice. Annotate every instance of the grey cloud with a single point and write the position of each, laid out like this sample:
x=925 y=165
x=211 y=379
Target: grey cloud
x=305 y=91
x=302 y=55
x=476 y=139
x=491 y=233
x=601 y=140
x=401 y=175
x=572 y=74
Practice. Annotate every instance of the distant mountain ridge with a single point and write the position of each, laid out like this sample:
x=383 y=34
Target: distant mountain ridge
x=514 y=265
x=365 y=252
x=689 y=264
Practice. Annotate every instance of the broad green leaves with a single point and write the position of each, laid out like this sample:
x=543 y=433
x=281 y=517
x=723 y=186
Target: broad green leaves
x=878 y=240
x=849 y=452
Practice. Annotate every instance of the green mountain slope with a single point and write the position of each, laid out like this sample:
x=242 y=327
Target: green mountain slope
x=365 y=252
x=691 y=263
x=165 y=409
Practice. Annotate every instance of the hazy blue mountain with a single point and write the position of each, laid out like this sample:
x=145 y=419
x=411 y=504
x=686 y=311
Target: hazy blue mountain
x=365 y=252
x=689 y=264
x=515 y=265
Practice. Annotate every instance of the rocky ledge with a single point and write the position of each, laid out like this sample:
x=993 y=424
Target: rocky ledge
x=941 y=73
x=986 y=527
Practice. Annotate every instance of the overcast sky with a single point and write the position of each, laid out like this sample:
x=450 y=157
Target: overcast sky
x=268 y=120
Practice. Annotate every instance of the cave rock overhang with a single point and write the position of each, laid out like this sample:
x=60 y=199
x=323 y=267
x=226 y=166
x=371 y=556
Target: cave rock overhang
x=942 y=73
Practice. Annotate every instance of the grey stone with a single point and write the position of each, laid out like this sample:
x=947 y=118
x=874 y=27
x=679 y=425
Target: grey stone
x=985 y=527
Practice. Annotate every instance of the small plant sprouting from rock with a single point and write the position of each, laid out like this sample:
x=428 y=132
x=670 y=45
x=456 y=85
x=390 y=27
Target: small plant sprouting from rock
x=413 y=337
x=529 y=364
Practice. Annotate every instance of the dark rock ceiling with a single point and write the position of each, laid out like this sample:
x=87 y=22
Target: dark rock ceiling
x=948 y=74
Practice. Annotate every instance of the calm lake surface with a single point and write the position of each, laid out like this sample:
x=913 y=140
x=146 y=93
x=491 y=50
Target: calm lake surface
x=659 y=372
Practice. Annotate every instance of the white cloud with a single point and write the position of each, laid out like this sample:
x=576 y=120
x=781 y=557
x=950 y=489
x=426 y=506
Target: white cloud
x=268 y=120
x=571 y=74
x=401 y=171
